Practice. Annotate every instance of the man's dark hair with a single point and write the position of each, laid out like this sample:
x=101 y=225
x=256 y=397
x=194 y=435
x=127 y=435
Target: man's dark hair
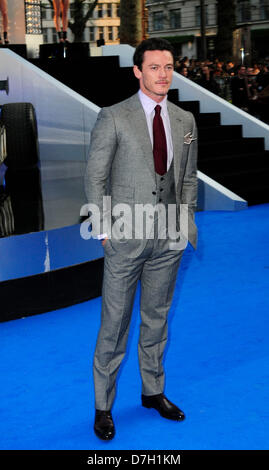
x=151 y=44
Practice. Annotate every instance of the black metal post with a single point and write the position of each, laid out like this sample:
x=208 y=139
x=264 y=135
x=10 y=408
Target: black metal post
x=203 y=30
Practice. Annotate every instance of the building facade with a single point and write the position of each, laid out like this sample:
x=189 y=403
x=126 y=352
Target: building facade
x=103 y=25
x=179 y=21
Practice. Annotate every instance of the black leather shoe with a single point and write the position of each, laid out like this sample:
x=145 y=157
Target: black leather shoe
x=103 y=425
x=165 y=407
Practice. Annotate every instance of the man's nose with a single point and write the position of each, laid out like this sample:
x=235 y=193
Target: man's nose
x=163 y=72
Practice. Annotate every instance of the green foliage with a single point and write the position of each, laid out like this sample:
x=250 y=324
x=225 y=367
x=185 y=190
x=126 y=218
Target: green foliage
x=80 y=17
x=130 y=25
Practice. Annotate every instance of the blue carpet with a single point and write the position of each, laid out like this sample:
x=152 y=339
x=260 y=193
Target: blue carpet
x=216 y=361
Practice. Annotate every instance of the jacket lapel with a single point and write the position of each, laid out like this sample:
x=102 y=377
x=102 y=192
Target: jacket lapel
x=139 y=124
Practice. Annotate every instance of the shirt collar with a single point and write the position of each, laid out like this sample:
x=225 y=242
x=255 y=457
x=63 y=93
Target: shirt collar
x=149 y=104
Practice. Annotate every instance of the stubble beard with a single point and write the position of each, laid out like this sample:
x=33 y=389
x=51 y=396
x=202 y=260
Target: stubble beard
x=155 y=93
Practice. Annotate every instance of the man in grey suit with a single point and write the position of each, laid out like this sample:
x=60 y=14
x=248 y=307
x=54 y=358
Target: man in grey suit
x=143 y=155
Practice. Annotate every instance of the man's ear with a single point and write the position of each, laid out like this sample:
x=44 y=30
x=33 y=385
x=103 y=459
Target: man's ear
x=137 y=72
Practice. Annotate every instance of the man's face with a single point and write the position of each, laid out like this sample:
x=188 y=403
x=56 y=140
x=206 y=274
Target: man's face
x=156 y=75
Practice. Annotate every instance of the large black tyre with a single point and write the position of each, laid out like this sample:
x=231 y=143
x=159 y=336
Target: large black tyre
x=19 y=120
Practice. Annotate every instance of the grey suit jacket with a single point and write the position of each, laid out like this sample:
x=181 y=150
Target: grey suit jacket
x=121 y=161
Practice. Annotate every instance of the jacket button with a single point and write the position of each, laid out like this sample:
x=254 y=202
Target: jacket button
x=161 y=189
x=160 y=200
x=154 y=193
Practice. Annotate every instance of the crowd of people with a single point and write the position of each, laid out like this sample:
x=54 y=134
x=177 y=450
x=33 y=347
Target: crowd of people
x=245 y=87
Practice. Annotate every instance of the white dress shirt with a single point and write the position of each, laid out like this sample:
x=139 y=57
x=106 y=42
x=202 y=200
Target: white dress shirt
x=149 y=109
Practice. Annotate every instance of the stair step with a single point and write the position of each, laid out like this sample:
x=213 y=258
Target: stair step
x=173 y=95
x=192 y=106
x=208 y=119
x=217 y=133
x=225 y=147
x=255 y=194
x=78 y=75
x=243 y=178
x=251 y=186
x=234 y=163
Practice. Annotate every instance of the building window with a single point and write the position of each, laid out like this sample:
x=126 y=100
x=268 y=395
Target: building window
x=212 y=16
x=54 y=35
x=198 y=15
x=157 y=20
x=175 y=19
x=100 y=10
x=118 y=10
x=44 y=12
x=109 y=10
x=101 y=32
x=264 y=9
x=92 y=33
x=110 y=33
x=45 y=36
x=243 y=11
x=51 y=14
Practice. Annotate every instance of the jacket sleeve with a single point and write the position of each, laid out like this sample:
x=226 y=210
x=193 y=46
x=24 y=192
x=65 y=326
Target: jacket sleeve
x=190 y=185
x=102 y=150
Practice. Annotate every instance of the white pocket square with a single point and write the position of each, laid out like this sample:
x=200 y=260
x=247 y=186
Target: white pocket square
x=188 y=138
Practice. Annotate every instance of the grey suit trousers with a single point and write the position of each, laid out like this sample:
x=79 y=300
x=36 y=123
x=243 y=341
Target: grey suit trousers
x=156 y=267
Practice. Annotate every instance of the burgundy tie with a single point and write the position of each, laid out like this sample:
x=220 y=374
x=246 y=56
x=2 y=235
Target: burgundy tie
x=159 y=143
